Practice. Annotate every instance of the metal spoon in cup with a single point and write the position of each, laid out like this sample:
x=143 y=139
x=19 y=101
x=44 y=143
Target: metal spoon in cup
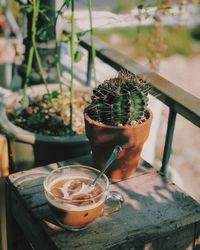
x=112 y=157
x=83 y=188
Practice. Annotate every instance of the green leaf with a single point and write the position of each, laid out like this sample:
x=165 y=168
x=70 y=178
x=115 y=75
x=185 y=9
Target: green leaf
x=36 y=118
x=43 y=13
x=140 y=7
x=43 y=10
x=60 y=13
x=147 y=15
x=54 y=94
x=43 y=35
x=64 y=37
x=28 y=8
x=78 y=56
x=76 y=41
x=67 y=2
x=81 y=34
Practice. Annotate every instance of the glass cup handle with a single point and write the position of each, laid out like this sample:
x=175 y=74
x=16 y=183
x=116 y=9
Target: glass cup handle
x=117 y=199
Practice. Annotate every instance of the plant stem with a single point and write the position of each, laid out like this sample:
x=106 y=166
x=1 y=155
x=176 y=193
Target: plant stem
x=72 y=65
x=36 y=7
x=30 y=60
x=33 y=49
x=28 y=72
x=58 y=70
x=92 y=40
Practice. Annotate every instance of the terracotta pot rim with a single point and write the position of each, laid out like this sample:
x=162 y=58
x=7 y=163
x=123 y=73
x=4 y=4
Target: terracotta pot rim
x=100 y=124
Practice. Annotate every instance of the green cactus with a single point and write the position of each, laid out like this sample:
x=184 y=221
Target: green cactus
x=120 y=101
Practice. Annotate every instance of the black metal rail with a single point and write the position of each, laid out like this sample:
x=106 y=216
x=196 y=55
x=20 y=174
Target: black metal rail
x=178 y=100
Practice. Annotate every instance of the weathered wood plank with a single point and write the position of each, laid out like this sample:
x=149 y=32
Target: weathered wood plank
x=197 y=236
x=43 y=212
x=155 y=211
x=18 y=178
x=4 y=162
x=3 y=224
x=153 y=207
x=180 y=239
x=29 y=224
x=30 y=183
x=22 y=179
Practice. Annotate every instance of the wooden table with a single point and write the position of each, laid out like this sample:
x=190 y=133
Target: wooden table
x=156 y=215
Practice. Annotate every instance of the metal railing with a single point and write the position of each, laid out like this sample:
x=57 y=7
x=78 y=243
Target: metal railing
x=178 y=100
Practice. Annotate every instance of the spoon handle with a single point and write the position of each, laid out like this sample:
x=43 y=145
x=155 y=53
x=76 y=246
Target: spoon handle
x=112 y=157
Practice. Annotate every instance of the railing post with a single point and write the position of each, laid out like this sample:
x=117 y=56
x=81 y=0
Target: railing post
x=168 y=141
x=89 y=68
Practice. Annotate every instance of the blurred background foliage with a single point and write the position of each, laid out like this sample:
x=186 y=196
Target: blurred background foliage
x=151 y=42
x=133 y=43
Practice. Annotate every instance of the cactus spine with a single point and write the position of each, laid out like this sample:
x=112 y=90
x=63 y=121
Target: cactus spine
x=120 y=101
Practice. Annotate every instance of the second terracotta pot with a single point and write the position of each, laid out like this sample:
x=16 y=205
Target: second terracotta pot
x=104 y=138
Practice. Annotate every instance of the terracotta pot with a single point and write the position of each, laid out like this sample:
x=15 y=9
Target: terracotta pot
x=104 y=138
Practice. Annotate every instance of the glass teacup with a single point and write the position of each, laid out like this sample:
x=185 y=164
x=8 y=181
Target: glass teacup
x=75 y=203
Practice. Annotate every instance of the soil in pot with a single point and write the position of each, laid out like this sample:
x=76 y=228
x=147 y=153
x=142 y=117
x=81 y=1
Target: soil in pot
x=44 y=136
x=51 y=116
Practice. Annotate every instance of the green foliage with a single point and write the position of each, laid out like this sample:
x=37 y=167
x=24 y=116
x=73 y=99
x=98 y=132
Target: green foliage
x=120 y=101
x=78 y=56
x=40 y=116
x=42 y=20
x=67 y=3
x=53 y=95
x=123 y=6
x=28 y=8
x=81 y=34
x=195 y=32
x=133 y=43
x=66 y=37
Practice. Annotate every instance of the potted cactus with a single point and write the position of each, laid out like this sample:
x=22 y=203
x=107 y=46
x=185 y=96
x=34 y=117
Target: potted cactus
x=118 y=115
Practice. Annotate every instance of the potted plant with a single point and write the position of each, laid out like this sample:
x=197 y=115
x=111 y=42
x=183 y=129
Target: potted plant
x=40 y=134
x=55 y=109
x=118 y=115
